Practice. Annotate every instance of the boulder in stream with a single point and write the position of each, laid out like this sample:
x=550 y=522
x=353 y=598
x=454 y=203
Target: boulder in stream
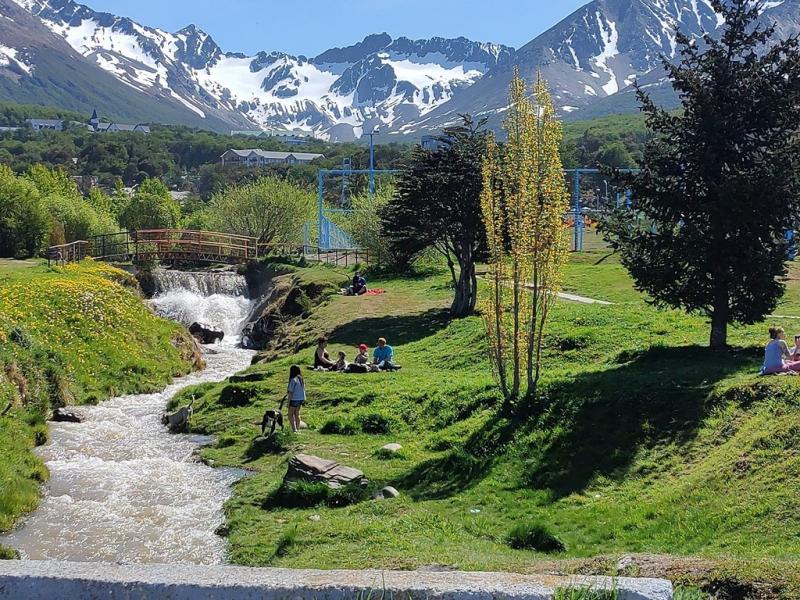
x=62 y=415
x=305 y=467
x=206 y=334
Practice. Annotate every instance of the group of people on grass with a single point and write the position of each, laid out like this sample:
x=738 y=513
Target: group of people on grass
x=382 y=359
x=778 y=357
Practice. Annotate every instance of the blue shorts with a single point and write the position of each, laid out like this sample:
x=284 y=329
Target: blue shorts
x=294 y=404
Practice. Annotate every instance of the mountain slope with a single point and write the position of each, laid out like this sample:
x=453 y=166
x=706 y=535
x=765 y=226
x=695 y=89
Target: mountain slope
x=403 y=86
x=39 y=67
x=377 y=82
x=592 y=57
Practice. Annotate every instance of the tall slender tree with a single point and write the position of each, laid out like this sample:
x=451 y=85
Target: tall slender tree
x=523 y=202
x=718 y=189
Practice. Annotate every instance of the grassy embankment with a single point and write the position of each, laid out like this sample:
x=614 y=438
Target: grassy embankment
x=72 y=335
x=643 y=441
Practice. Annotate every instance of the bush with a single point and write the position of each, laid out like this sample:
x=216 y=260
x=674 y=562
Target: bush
x=151 y=207
x=7 y=553
x=270 y=209
x=338 y=427
x=24 y=221
x=307 y=494
x=534 y=536
x=376 y=423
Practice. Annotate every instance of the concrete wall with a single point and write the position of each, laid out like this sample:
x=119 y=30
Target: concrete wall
x=33 y=580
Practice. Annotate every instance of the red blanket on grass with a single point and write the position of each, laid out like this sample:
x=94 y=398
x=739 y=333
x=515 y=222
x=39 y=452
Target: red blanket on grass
x=375 y=292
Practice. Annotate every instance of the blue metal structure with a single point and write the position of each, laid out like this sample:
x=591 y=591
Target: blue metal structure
x=330 y=236
x=577 y=212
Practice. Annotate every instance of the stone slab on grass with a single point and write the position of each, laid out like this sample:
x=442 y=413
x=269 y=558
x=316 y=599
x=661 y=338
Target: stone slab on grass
x=313 y=468
x=48 y=580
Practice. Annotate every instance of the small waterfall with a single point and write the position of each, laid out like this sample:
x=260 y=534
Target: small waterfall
x=214 y=298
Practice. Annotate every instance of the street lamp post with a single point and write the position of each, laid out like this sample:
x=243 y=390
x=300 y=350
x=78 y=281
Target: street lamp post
x=372 y=160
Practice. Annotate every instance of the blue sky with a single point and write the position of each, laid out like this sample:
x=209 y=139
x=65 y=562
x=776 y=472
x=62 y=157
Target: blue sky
x=311 y=26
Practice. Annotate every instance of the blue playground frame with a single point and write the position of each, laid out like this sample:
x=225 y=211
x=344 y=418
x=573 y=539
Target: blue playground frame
x=329 y=235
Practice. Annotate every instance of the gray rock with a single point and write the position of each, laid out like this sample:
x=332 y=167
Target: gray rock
x=387 y=493
x=62 y=415
x=305 y=467
x=303 y=425
x=392 y=448
x=206 y=334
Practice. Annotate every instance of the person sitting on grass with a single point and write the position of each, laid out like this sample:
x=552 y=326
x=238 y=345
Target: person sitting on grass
x=795 y=352
x=383 y=356
x=777 y=357
x=362 y=358
x=341 y=364
x=321 y=358
x=296 y=395
x=359 y=285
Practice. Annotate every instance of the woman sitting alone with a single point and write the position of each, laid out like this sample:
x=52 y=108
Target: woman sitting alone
x=321 y=358
x=777 y=357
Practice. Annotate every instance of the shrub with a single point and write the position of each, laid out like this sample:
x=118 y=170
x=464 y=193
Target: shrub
x=308 y=494
x=375 y=423
x=585 y=593
x=287 y=540
x=7 y=553
x=534 y=536
x=338 y=427
x=270 y=209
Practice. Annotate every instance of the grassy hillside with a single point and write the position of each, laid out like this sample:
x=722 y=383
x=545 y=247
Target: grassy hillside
x=71 y=335
x=642 y=442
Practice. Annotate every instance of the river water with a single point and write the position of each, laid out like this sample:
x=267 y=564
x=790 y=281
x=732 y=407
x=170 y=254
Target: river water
x=121 y=487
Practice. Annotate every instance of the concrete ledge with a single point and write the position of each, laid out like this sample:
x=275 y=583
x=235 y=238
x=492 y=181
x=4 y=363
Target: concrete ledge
x=45 y=580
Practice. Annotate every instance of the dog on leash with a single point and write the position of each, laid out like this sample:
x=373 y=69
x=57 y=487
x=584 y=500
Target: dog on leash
x=272 y=419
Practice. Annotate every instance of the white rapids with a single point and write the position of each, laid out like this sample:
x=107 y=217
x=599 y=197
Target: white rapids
x=121 y=488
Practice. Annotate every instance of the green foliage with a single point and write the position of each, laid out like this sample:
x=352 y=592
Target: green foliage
x=338 y=427
x=7 y=553
x=270 y=209
x=307 y=494
x=73 y=216
x=718 y=191
x=24 y=221
x=585 y=593
x=150 y=207
x=363 y=224
x=534 y=536
x=376 y=424
x=437 y=205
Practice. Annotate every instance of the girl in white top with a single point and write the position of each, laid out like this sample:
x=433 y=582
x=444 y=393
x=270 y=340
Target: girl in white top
x=296 y=395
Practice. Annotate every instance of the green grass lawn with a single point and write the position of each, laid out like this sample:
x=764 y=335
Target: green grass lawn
x=642 y=440
x=70 y=335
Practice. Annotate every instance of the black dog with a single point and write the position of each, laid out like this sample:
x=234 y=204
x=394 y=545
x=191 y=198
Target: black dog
x=272 y=418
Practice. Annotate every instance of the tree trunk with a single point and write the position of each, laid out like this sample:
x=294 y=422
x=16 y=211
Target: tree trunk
x=719 y=321
x=466 y=295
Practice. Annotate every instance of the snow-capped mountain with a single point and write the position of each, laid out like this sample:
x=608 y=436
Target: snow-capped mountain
x=592 y=57
x=378 y=82
x=404 y=86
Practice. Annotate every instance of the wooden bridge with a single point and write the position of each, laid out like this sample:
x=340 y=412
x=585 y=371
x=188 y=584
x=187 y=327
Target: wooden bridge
x=188 y=246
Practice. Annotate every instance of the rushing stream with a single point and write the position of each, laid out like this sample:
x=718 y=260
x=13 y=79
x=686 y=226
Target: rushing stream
x=123 y=489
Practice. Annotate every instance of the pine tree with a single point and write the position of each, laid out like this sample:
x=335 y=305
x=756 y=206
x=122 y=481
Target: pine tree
x=718 y=188
x=523 y=202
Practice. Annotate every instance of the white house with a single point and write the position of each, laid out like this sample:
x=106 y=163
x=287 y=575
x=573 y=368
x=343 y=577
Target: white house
x=260 y=158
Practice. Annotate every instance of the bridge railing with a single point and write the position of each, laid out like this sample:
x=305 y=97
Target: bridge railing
x=67 y=253
x=174 y=244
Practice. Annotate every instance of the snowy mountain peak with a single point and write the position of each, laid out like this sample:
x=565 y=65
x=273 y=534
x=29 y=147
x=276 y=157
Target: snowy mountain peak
x=406 y=86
